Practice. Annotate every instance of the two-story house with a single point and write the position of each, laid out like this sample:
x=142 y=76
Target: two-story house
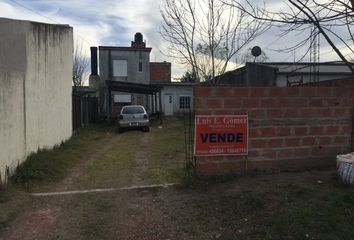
x=124 y=78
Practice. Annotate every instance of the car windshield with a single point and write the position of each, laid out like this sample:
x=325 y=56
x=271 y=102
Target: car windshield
x=133 y=110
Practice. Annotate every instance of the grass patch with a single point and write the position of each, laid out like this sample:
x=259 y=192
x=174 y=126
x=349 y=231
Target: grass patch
x=291 y=213
x=167 y=152
x=118 y=156
x=114 y=166
x=51 y=165
x=306 y=213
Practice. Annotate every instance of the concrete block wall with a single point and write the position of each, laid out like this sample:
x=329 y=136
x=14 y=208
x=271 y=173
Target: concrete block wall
x=35 y=88
x=289 y=128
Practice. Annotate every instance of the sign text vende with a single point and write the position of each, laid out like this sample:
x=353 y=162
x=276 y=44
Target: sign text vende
x=221 y=135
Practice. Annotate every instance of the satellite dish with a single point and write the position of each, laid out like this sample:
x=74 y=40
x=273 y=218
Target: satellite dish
x=256 y=51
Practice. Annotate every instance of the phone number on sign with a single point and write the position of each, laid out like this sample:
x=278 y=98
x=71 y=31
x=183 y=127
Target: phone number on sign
x=236 y=150
x=228 y=150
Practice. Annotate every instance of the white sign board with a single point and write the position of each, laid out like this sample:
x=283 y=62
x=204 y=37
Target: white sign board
x=119 y=98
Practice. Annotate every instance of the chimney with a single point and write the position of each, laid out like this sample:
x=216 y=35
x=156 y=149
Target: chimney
x=138 y=41
x=94 y=61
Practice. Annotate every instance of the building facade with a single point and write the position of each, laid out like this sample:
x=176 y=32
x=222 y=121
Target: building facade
x=124 y=76
x=177 y=98
x=284 y=74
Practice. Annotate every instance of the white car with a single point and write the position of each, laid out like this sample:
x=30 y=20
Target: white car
x=133 y=117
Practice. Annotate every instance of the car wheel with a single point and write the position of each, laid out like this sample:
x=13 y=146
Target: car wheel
x=146 y=129
x=120 y=130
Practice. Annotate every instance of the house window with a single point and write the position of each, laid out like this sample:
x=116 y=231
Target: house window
x=120 y=68
x=184 y=102
x=140 y=67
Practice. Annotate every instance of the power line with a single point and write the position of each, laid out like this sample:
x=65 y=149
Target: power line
x=33 y=11
x=51 y=19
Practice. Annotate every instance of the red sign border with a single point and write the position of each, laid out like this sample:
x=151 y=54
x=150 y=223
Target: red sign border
x=213 y=155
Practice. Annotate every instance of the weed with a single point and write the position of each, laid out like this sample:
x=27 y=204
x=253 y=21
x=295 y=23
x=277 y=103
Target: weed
x=51 y=165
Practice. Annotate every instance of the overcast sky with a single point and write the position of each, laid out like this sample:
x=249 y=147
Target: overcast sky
x=114 y=22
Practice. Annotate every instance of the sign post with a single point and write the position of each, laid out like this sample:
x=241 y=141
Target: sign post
x=221 y=135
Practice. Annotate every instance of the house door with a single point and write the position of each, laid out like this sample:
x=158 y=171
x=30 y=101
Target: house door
x=168 y=104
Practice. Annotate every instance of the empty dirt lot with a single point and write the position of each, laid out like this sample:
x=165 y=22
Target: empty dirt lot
x=306 y=205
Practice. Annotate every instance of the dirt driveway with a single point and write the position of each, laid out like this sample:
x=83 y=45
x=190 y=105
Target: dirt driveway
x=243 y=208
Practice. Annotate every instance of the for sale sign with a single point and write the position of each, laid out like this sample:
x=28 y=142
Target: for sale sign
x=221 y=135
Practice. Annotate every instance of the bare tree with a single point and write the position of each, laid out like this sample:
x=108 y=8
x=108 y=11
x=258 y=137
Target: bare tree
x=331 y=19
x=80 y=66
x=206 y=34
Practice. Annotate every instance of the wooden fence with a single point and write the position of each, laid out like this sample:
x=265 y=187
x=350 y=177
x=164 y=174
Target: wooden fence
x=85 y=110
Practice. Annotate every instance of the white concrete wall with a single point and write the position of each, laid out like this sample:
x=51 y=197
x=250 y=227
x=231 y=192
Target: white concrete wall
x=35 y=88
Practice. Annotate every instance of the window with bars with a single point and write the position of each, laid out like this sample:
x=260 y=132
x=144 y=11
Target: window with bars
x=184 y=102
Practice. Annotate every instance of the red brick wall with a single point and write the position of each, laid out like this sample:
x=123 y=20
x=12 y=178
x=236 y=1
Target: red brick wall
x=289 y=128
x=160 y=72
